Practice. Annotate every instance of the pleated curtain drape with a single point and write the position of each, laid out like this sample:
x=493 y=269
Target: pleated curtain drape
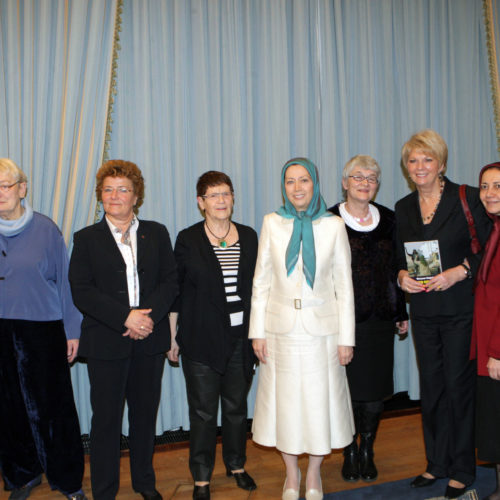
x=55 y=73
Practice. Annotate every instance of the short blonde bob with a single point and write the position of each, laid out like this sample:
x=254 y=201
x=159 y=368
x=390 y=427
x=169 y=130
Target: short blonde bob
x=428 y=142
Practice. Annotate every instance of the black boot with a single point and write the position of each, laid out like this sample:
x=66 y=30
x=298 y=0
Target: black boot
x=350 y=469
x=367 y=467
x=368 y=429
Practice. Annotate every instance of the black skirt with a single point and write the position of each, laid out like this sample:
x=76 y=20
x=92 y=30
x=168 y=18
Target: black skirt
x=370 y=373
x=488 y=419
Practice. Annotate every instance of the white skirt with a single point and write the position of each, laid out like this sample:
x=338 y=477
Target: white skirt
x=303 y=403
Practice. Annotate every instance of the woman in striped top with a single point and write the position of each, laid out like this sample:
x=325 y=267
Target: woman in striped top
x=216 y=261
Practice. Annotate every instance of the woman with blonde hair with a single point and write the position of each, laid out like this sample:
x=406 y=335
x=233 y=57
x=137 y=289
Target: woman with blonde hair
x=441 y=308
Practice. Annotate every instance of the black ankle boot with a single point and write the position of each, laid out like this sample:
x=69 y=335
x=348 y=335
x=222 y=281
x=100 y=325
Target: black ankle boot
x=368 y=423
x=367 y=468
x=350 y=469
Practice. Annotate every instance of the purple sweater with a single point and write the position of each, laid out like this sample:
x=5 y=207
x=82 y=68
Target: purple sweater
x=34 y=282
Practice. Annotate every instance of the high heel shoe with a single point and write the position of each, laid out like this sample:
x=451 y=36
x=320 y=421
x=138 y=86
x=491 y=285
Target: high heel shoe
x=314 y=494
x=290 y=493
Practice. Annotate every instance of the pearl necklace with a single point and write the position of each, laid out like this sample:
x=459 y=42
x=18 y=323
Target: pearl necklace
x=222 y=241
x=360 y=220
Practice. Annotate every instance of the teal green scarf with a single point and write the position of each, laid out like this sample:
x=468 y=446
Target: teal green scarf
x=302 y=222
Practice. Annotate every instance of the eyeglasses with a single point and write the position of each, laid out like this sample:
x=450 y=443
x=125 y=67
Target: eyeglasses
x=4 y=188
x=119 y=190
x=372 y=179
x=215 y=196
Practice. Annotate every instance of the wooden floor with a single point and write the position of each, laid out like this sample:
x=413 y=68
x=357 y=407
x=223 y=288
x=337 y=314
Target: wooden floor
x=399 y=454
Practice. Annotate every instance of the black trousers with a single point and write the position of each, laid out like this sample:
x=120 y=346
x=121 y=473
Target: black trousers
x=447 y=387
x=205 y=387
x=39 y=428
x=138 y=380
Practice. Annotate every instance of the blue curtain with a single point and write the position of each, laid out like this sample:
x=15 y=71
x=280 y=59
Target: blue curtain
x=242 y=86
x=239 y=86
x=55 y=69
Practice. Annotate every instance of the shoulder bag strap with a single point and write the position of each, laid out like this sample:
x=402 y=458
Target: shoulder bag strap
x=474 y=243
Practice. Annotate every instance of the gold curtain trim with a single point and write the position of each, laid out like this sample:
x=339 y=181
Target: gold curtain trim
x=112 y=90
x=493 y=64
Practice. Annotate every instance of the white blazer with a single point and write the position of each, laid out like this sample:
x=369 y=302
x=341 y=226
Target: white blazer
x=278 y=300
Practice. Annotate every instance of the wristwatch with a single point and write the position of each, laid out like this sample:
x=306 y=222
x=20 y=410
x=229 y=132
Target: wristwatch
x=468 y=274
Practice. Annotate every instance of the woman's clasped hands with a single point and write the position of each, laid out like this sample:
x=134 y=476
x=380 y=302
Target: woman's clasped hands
x=139 y=324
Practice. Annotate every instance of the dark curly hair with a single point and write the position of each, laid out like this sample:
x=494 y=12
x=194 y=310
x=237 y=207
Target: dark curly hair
x=210 y=179
x=121 y=168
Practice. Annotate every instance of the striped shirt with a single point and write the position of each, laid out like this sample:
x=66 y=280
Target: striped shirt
x=229 y=259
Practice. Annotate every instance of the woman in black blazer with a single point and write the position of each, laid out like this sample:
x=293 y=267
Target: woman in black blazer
x=216 y=261
x=123 y=279
x=441 y=308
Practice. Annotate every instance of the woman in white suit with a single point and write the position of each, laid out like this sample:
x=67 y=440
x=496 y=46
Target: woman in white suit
x=302 y=326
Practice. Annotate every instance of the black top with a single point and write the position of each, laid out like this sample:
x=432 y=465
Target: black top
x=98 y=277
x=204 y=330
x=449 y=227
x=374 y=270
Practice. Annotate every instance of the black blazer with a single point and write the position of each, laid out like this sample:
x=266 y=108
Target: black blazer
x=449 y=227
x=97 y=274
x=204 y=328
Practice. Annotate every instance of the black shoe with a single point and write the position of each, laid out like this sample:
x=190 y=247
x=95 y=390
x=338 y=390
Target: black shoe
x=350 y=468
x=151 y=495
x=24 y=491
x=201 y=492
x=243 y=480
x=367 y=469
x=452 y=492
x=422 y=481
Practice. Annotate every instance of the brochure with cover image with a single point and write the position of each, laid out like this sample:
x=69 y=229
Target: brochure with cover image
x=423 y=259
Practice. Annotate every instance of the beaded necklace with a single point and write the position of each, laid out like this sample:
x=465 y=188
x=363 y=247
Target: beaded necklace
x=221 y=241
x=429 y=217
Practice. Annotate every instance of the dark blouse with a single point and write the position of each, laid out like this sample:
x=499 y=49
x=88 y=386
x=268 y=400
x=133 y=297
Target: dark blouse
x=449 y=228
x=374 y=270
x=205 y=334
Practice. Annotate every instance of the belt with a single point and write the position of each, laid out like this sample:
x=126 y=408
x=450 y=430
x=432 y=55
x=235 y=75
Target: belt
x=297 y=303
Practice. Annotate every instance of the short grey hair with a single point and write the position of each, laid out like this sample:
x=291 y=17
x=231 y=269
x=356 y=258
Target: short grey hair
x=361 y=161
x=7 y=166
